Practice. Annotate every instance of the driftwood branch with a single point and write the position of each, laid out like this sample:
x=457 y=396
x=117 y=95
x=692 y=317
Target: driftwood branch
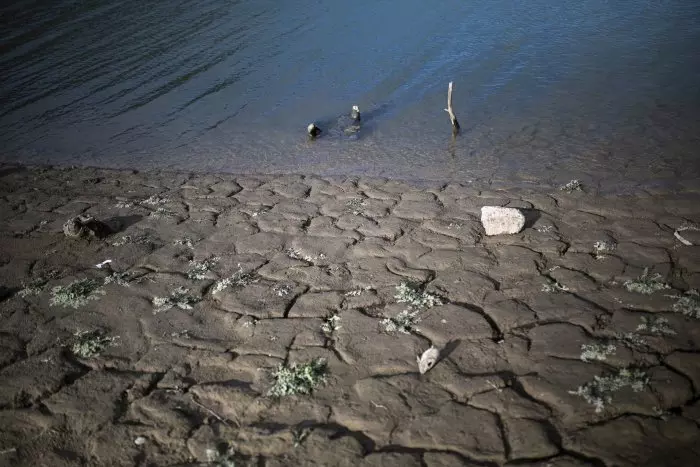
x=453 y=118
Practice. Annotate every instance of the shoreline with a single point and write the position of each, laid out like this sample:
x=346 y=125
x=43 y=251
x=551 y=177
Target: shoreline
x=170 y=351
x=604 y=187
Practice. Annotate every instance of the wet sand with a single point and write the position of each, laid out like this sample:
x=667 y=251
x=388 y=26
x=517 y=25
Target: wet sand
x=551 y=355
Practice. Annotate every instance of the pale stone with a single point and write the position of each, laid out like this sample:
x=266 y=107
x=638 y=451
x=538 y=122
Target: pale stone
x=497 y=220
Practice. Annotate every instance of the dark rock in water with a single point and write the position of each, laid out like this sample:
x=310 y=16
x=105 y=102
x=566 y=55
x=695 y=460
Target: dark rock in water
x=345 y=126
x=85 y=226
x=313 y=130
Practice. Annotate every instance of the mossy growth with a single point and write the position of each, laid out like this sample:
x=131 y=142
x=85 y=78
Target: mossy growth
x=688 y=304
x=599 y=391
x=298 y=378
x=199 y=270
x=238 y=279
x=573 y=185
x=601 y=248
x=331 y=324
x=179 y=298
x=655 y=326
x=404 y=322
x=415 y=296
x=354 y=206
x=598 y=352
x=37 y=285
x=185 y=241
x=646 y=284
x=222 y=456
x=552 y=286
x=89 y=344
x=120 y=278
x=77 y=293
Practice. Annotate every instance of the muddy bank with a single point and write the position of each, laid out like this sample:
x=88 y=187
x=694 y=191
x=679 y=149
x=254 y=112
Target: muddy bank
x=572 y=343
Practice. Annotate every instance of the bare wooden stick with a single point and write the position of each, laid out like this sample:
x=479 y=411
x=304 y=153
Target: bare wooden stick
x=453 y=119
x=218 y=417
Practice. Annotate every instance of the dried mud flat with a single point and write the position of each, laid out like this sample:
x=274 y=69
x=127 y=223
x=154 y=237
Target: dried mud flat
x=573 y=343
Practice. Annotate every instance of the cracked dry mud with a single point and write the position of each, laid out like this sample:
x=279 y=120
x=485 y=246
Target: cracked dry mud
x=517 y=313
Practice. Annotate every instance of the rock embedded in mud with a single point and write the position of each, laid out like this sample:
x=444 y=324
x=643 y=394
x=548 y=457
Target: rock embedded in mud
x=497 y=220
x=428 y=359
x=85 y=226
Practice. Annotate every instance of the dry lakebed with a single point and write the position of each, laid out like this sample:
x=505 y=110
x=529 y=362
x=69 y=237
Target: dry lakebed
x=276 y=320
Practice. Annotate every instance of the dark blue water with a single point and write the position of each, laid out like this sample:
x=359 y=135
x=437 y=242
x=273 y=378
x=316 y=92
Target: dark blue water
x=604 y=91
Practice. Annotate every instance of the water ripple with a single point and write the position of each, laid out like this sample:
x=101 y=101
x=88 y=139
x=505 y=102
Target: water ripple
x=545 y=88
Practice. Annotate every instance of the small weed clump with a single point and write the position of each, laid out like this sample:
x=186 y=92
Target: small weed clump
x=77 y=293
x=552 y=286
x=89 y=344
x=295 y=254
x=221 y=285
x=282 y=290
x=142 y=239
x=355 y=205
x=155 y=200
x=598 y=352
x=656 y=326
x=331 y=324
x=299 y=435
x=298 y=379
x=119 y=278
x=573 y=185
x=646 y=284
x=688 y=304
x=36 y=286
x=185 y=241
x=357 y=292
x=415 y=297
x=238 y=279
x=161 y=213
x=199 y=269
x=404 y=322
x=417 y=300
x=544 y=228
x=121 y=204
x=632 y=340
x=599 y=391
x=224 y=457
x=600 y=248
x=179 y=298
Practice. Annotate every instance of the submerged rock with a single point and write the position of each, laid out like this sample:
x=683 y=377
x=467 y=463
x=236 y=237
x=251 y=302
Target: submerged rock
x=345 y=126
x=313 y=130
x=497 y=220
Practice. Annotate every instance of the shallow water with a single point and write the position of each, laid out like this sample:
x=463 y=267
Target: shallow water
x=606 y=92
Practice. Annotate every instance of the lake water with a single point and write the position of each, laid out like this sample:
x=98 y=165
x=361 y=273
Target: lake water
x=604 y=91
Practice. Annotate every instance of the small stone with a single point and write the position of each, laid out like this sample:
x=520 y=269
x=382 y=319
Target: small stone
x=140 y=440
x=497 y=220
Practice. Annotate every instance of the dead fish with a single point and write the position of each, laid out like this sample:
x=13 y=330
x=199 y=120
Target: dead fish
x=428 y=360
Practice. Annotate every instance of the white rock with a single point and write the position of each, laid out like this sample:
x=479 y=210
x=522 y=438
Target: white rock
x=428 y=359
x=497 y=220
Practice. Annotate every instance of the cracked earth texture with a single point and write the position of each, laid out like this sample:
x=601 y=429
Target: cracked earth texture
x=313 y=265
